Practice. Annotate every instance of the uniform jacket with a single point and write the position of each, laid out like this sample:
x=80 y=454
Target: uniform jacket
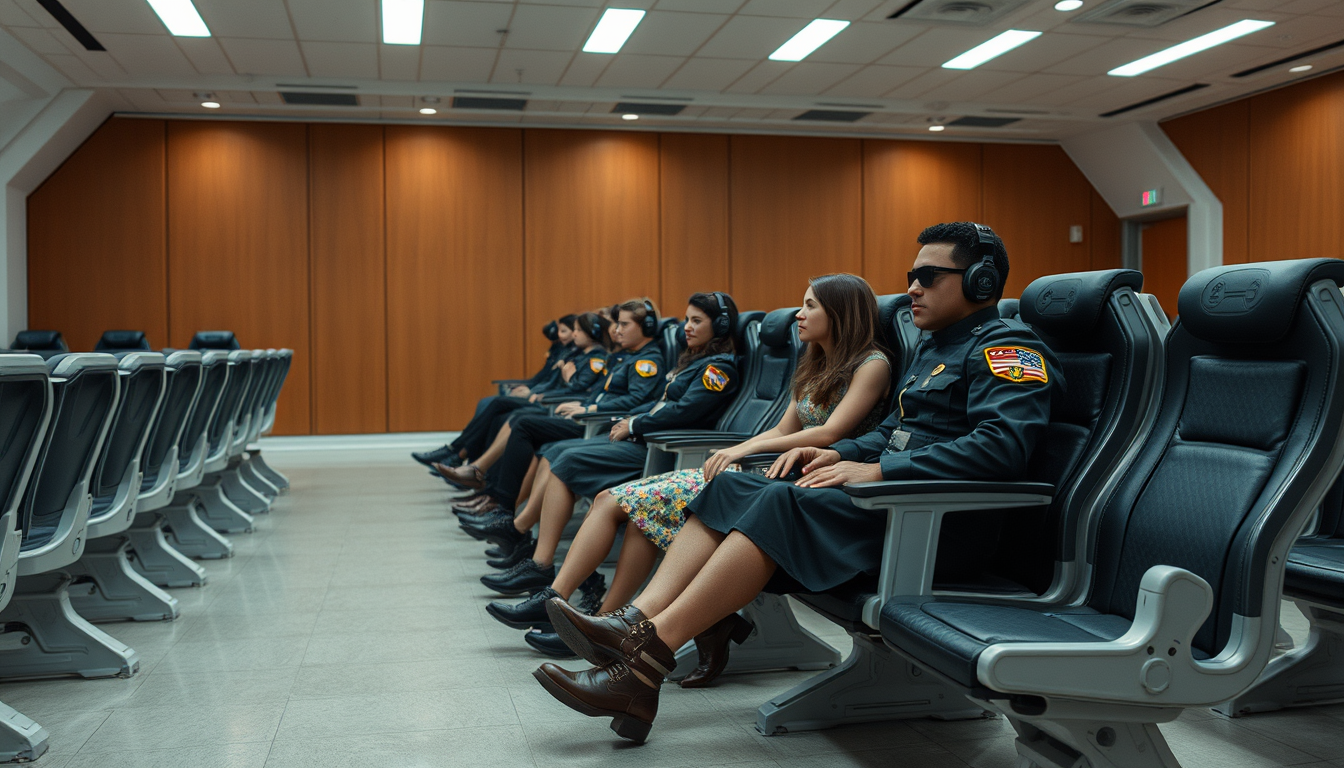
x=554 y=353
x=693 y=398
x=590 y=368
x=973 y=405
x=634 y=382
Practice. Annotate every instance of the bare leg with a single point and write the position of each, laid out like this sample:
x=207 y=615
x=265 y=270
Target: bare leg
x=529 y=515
x=734 y=575
x=638 y=556
x=525 y=489
x=495 y=450
x=591 y=544
x=556 y=510
x=692 y=548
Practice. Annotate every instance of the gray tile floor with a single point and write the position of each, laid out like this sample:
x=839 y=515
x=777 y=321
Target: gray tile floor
x=349 y=631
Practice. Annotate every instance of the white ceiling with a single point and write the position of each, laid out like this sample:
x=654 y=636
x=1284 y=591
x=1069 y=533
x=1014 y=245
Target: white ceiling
x=711 y=53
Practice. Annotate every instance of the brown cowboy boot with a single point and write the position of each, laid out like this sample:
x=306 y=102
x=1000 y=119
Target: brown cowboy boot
x=597 y=639
x=712 y=647
x=625 y=690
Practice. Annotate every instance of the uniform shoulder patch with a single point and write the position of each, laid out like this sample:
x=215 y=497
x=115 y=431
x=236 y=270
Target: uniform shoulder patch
x=1018 y=364
x=597 y=364
x=714 y=379
x=646 y=368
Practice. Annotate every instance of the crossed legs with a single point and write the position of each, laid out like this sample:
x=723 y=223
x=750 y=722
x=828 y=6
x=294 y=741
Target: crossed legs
x=591 y=545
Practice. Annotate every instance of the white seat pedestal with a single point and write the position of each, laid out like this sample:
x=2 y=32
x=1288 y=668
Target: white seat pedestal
x=188 y=534
x=267 y=471
x=21 y=739
x=216 y=510
x=49 y=638
x=107 y=588
x=778 y=642
x=155 y=559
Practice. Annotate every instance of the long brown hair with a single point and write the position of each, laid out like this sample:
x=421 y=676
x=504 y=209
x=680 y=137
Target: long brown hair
x=851 y=308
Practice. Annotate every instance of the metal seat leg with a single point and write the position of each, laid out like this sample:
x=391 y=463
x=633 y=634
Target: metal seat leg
x=45 y=637
x=217 y=510
x=188 y=534
x=779 y=642
x=21 y=739
x=155 y=559
x=107 y=588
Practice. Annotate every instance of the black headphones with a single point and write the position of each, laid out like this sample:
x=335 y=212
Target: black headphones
x=649 y=325
x=721 y=320
x=595 y=331
x=982 y=281
x=552 y=330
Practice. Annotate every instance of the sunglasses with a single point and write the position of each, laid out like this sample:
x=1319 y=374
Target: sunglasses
x=927 y=275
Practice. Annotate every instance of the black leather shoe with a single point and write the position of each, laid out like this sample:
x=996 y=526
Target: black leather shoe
x=548 y=644
x=481 y=521
x=511 y=556
x=526 y=614
x=499 y=531
x=593 y=591
x=526 y=577
x=444 y=455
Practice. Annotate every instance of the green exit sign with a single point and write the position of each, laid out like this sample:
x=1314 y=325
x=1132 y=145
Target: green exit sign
x=1152 y=197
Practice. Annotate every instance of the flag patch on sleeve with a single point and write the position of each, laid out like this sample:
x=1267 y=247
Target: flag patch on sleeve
x=597 y=364
x=1016 y=364
x=646 y=368
x=714 y=379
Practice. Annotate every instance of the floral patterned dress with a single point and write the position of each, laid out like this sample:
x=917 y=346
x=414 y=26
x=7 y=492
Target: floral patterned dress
x=657 y=505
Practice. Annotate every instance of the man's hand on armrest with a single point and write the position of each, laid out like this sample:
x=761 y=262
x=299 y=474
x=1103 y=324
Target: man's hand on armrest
x=839 y=473
x=569 y=409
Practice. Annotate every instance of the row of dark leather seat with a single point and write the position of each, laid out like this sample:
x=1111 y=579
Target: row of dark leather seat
x=118 y=467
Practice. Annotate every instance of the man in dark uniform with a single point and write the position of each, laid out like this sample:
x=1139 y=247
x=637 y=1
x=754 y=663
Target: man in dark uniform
x=974 y=404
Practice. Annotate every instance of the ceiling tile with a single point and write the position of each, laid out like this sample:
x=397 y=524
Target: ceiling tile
x=147 y=55
x=673 y=34
x=750 y=37
x=530 y=67
x=205 y=55
x=970 y=85
x=125 y=16
x=874 y=81
x=264 y=57
x=931 y=80
x=457 y=65
x=342 y=21
x=1027 y=89
x=584 y=70
x=1130 y=91
x=1106 y=57
x=264 y=19
x=802 y=9
x=699 y=6
x=398 y=62
x=634 y=71
x=1045 y=51
x=11 y=15
x=1302 y=33
x=704 y=74
x=550 y=28
x=759 y=76
x=864 y=42
x=1066 y=94
x=936 y=46
x=342 y=60
x=237 y=97
x=1207 y=20
x=70 y=66
x=40 y=40
x=475 y=25
x=851 y=10
x=809 y=78
x=395 y=102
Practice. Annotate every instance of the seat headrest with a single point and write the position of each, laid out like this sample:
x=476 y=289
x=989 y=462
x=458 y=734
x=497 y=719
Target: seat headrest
x=34 y=340
x=888 y=306
x=214 y=340
x=120 y=341
x=1009 y=308
x=1069 y=305
x=1254 y=303
x=745 y=319
x=776 y=328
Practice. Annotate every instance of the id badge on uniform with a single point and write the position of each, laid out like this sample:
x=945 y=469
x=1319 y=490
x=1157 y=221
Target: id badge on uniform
x=899 y=439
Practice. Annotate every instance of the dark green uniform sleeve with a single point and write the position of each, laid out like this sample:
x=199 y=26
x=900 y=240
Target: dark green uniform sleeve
x=591 y=367
x=868 y=448
x=715 y=382
x=640 y=388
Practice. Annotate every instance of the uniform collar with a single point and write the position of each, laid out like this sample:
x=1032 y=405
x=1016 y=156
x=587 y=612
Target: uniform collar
x=963 y=328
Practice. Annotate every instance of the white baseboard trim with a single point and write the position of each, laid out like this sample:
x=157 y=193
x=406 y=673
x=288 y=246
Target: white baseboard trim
x=410 y=441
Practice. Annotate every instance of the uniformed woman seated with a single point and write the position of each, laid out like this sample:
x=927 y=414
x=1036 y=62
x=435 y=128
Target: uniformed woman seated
x=839 y=390
x=975 y=402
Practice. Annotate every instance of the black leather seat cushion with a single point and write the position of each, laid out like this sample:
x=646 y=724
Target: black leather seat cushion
x=949 y=635
x=1316 y=571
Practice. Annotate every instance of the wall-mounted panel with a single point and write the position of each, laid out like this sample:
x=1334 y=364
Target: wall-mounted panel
x=694 y=205
x=96 y=252
x=1215 y=143
x=238 y=243
x=592 y=224
x=349 y=310
x=454 y=271
x=797 y=212
x=907 y=186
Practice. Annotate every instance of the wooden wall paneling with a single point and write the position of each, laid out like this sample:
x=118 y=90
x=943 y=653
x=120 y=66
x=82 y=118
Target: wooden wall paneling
x=1296 y=178
x=1033 y=194
x=796 y=213
x=1215 y=142
x=1165 y=261
x=348 y=290
x=907 y=186
x=1103 y=237
x=238 y=243
x=694 y=212
x=592 y=224
x=96 y=253
x=454 y=270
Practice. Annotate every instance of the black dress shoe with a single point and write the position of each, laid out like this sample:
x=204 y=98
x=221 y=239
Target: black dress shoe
x=511 y=556
x=526 y=614
x=526 y=577
x=548 y=644
x=484 y=519
x=498 y=531
x=593 y=591
x=443 y=455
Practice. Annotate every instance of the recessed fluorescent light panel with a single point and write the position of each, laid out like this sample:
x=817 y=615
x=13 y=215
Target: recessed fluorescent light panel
x=613 y=29
x=992 y=49
x=180 y=17
x=808 y=39
x=1190 y=47
x=403 y=21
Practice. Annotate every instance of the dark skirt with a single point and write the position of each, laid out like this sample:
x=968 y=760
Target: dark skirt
x=599 y=464
x=552 y=451
x=815 y=535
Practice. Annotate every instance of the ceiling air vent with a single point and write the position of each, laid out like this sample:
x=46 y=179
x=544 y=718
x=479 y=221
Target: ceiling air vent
x=957 y=11
x=984 y=122
x=634 y=108
x=1139 y=13
x=480 y=102
x=320 y=99
x=832 y=115
x=72 y=25
x=1155 y=99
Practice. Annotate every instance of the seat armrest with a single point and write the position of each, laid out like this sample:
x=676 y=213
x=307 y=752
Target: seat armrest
x=509 y=381
x=1151 y=664
x=758 y=460
x=915 y=510
x=678 y=441
x=598 y=418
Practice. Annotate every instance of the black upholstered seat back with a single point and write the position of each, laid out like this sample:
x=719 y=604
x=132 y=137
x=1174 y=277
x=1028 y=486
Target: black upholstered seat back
x=764 y=397
x=1009 y=309
x=142 y=383
x=122 y=341
x=184 y=374
x=1241 y=451
x=748 y=339
x=215 y=372
x=259 y=366
x=39 y=341
x=25 y=395
x=674 y=341
x=84 y=389
x=240 y=379
x=222 y=340
x=898 y=334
